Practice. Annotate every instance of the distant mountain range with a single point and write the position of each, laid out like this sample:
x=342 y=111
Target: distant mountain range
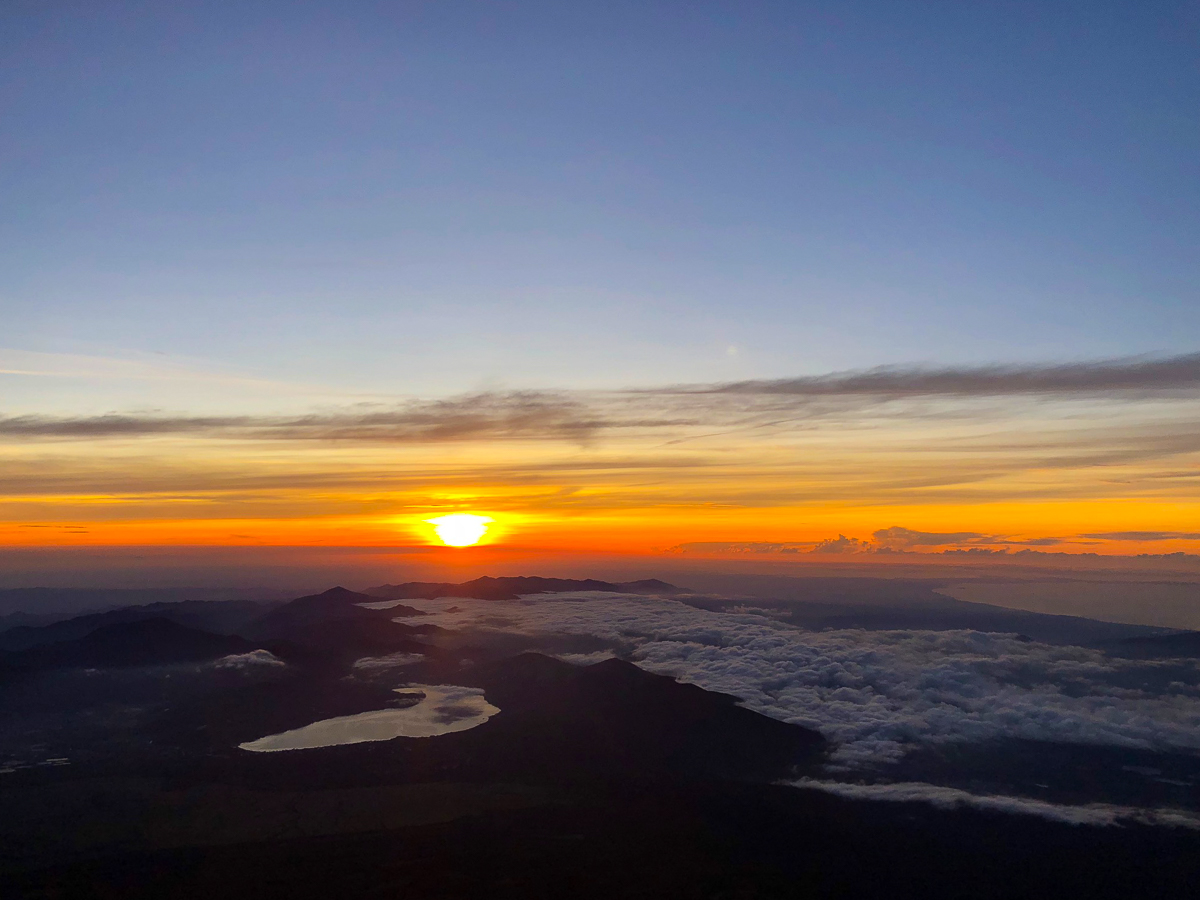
x=25 y=606
x=333 y=628
x=148 y=642
x=1183 y=644
x=509 y=588
x=220 y=616
x=318 y=629
x=888 y=604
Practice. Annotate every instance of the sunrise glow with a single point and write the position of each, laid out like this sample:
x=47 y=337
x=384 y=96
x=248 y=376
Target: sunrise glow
x=895 y=386
x=460 y=529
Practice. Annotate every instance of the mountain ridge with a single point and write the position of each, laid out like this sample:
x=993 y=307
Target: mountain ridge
x=146 y=642
x=510 y=587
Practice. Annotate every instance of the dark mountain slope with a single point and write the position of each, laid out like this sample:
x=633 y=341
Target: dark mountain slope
x=1049 y=629
x=298 y=618
x=220 y=616
x=615 y=717
x=62 y=603
x=347 y=639
x=150 y=642
x=715 y=841
x=332 y=629
x=636 y=786
x=1184 y=644
x=561 y=722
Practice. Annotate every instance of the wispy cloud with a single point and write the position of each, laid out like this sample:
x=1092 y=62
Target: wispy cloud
x=1104 y=377
x=893 y=539
x=842 y=544
x=953 y=798
x=1144 y=535
x=763 y=407
x=521 y=414
x=893 y=437
x=897 y=536
x=742 y=547
x=129 y=367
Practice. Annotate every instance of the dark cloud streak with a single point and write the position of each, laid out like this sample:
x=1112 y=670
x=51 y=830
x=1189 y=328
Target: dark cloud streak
x=516 y=415
x=1144 y=535
x=898 y=537
x=1104 y=377
x=855 y=399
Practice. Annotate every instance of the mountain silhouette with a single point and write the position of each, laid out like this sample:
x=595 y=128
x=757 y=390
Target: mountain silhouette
x=1184 y=644
x=148 y=642
x=511 y=587
x=219 y=616
x=614 y=719
x=331 y=628
x=299 y=615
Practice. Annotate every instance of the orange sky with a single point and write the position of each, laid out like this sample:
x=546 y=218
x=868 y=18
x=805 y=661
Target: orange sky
x=1062 y=477
x=626 y=282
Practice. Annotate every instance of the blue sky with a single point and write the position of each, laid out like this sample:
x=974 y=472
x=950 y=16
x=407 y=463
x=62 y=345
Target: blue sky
x=325 y=200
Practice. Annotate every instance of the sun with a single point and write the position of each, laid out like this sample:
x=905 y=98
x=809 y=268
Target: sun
x=460 y=529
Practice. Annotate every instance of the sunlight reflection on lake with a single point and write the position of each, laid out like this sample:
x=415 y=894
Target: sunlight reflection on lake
x=445 y=708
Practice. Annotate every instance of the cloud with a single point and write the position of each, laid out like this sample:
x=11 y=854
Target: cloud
x=899 y=537
x=585 y=659
x=1021 y=555
x=519 y=414
x=138 y=367
x=842 y=544
x=251 y=660
x=876 y=694
x=978 y=551
x=113 y=425
x=919 y=437
x=1103 y=377
x=1144 y=535
x=1100 y=814
x=391 y=661
x=740 y=547
x=578 y=415
x=894 y=539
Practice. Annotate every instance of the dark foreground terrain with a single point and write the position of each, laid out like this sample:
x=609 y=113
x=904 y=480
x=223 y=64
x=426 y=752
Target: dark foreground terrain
x=705 y=839
x=592 y=781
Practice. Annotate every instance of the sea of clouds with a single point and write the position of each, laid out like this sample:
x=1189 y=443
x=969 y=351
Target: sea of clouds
x=875 y=694
x=953 y=798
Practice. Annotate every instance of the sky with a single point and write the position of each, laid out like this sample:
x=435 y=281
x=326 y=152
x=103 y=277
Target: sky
x=307 y=274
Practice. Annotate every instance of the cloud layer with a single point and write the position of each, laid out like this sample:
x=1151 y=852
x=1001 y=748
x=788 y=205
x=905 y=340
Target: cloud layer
x=951 y=798
x=898 y=539
x=579 y=415
x=876 y=694
x=1103 y=377
x=521 y=414
x=1144 y=535
x=963 y=438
